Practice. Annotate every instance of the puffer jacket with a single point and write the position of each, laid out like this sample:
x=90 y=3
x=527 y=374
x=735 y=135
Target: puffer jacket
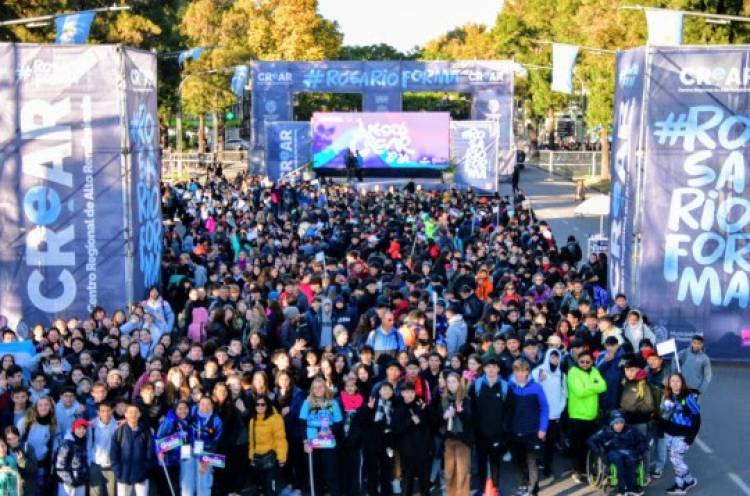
x=172 y=425
x=637 y=401
x=266 y=435
x=607 y=440
x=71 y=464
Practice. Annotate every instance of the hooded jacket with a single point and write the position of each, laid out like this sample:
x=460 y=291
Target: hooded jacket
x=266 y=435
x=170 y=425
x=71 y=464
x=637 y=401
x=584 y=388
x=629 y=440
x=696 y=368
x=634 y=334
x=553 y=383
x=456 y=334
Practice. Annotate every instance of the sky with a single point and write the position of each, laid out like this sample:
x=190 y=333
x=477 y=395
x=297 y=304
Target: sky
x=405 y=23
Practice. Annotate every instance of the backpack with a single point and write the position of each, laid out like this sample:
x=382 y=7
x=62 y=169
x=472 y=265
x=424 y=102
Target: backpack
x=197 y=327
x=480 y=382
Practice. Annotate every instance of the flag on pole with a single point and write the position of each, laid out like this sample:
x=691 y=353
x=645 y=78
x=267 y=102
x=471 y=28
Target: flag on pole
x=74 y=28
x=563 y=62
x=664 y=27
x=239 y=80
x=190 y=54
x=23 y=352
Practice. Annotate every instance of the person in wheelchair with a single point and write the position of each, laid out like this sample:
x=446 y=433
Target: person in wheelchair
x=622 y=446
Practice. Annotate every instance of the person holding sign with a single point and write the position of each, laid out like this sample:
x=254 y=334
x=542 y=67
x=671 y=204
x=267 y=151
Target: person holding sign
x=267 y=445
x=320 y=414
x=196 y=478
x=175 y=423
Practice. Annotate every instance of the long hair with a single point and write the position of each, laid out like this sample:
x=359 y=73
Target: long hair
x=668 y=394
x=460 y=392
x=319 y=402
x=270 y=410
x=30 y=417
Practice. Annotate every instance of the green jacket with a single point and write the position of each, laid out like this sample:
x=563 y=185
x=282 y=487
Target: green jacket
x=584 y=389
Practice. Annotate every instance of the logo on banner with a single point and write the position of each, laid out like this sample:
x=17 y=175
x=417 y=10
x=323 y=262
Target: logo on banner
x=719 y=79
x=475 y=158
x=629 y=76
x=314 y=79
x=143 y=129
x=706 y=242
x=271 y=106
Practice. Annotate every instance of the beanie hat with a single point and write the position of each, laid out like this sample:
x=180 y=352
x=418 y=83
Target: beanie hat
x=80 y=423
x=616 y=416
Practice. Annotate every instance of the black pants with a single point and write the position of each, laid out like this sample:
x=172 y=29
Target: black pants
x=162 y=486
x=358 y=171
x=294 y=472
x=234 y=476
x=489 y=451
x=553 y=434
x=268 y=480
x=350 y=467
x=580 y=432
x=325 y=470
x=379 y=468
x=415 y=469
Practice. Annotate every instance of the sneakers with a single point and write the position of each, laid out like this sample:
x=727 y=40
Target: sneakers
x=577 y=478
x=689 y=485
x=637 y=492
x=676 y=490
x=656 y=474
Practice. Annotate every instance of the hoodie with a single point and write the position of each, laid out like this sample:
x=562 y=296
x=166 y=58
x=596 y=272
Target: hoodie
x=553 y=383
x=456 y=334
x=530 y=409
x=634 y=334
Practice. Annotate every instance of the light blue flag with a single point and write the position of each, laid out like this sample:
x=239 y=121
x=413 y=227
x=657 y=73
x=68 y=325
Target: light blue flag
x=190 y=54
x=664 y=27
x=563 y=62
x=239 y=80
x=74 y=28
x=23 y=352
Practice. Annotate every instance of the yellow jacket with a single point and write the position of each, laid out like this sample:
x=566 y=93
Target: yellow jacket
x=266 y=434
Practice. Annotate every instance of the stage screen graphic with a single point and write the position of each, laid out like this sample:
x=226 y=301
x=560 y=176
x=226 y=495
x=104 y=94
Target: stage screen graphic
x=384 y=140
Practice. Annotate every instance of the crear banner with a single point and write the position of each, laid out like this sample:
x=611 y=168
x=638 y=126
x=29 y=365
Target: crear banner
x=64 y=190
x=474 y=146
x=695 y=249
x=145 y=169
x=382 y=140
x=381 y=83
x=624 y=159
x=287 y=148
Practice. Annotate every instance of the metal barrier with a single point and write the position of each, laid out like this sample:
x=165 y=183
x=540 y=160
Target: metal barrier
x=568 y=164
x=175 y=164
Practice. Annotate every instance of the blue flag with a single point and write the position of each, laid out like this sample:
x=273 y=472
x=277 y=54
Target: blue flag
x=190 y=54
x=74 y=28
x=563 y=62
x=239 y=80
x=23 y=352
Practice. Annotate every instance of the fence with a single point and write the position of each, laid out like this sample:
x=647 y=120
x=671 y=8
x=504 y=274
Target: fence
x=180 y=165
x=568 y=164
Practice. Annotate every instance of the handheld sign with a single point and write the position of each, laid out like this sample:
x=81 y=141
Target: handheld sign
x=169 y=443
x=213 y=460
x=667 y=347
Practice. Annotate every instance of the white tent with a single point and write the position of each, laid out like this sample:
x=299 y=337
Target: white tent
x=596 y=206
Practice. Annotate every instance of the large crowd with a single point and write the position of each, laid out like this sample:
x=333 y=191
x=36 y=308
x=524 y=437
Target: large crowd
x=335 y=341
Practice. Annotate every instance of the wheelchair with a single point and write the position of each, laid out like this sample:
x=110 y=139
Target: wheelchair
x=603 y=475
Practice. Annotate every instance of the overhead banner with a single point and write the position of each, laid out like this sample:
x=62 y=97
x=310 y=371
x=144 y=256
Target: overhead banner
x=624 y=159
x=474 y=146
x=381 y=84
x=64 y=190
x=664 y=27
x=287 y=148
x=382 y=140
x=694 y=257
x=563 y=63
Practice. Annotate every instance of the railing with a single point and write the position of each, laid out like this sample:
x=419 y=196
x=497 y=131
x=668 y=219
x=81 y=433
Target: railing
x=570 y=165
x=181 y=165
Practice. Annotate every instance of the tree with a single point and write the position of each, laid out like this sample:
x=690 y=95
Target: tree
x=382 y=51
x=472 y=41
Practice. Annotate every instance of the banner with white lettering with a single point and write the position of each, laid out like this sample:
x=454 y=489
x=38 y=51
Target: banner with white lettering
x=145 y=169
x=696 y=214
x=287 y=148
x=62 y=214
x=624 y=159
x=474 y=146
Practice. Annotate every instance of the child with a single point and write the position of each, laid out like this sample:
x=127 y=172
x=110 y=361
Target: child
x=620 y=445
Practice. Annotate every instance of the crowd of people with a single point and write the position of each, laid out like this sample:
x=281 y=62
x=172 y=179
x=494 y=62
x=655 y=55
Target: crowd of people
x=324 y=339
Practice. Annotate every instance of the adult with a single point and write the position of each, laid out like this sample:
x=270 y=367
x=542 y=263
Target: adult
x=696 y=365
x=321 y=414
x=550 y=376
x=99 y=443
x=267 y=445
x=453 y=410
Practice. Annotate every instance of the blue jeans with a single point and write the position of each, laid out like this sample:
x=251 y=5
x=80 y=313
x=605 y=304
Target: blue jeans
x=625 y=464
x=193 y=482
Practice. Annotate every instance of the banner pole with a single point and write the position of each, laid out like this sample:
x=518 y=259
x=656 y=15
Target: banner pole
x=126 y=170
x=677 y=361
x=166 y=474
x=312 y=479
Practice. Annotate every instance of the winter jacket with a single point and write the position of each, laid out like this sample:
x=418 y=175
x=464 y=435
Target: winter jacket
x=383 y=342
x=353 y=408
x=320 y=420
x=66 y=416
x=292 y=425
x=530 y=409
x=71 y=464
x=461 y=427
x=492 y=408
x=540 y=294
x=172 y=425
x=208 y=429
x=266 y=435
x=629 y=440
x=456 y=334
x=553 y=383
x=635 y=334
x=163 y=316
x=584 y=389
x=696 y=369
x=637 y=401
x=132 y=454
x=413 y=439
x=612 y=373
x=681 y=416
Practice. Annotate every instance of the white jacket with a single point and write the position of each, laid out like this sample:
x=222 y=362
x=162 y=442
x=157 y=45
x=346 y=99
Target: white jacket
x=553 y=384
